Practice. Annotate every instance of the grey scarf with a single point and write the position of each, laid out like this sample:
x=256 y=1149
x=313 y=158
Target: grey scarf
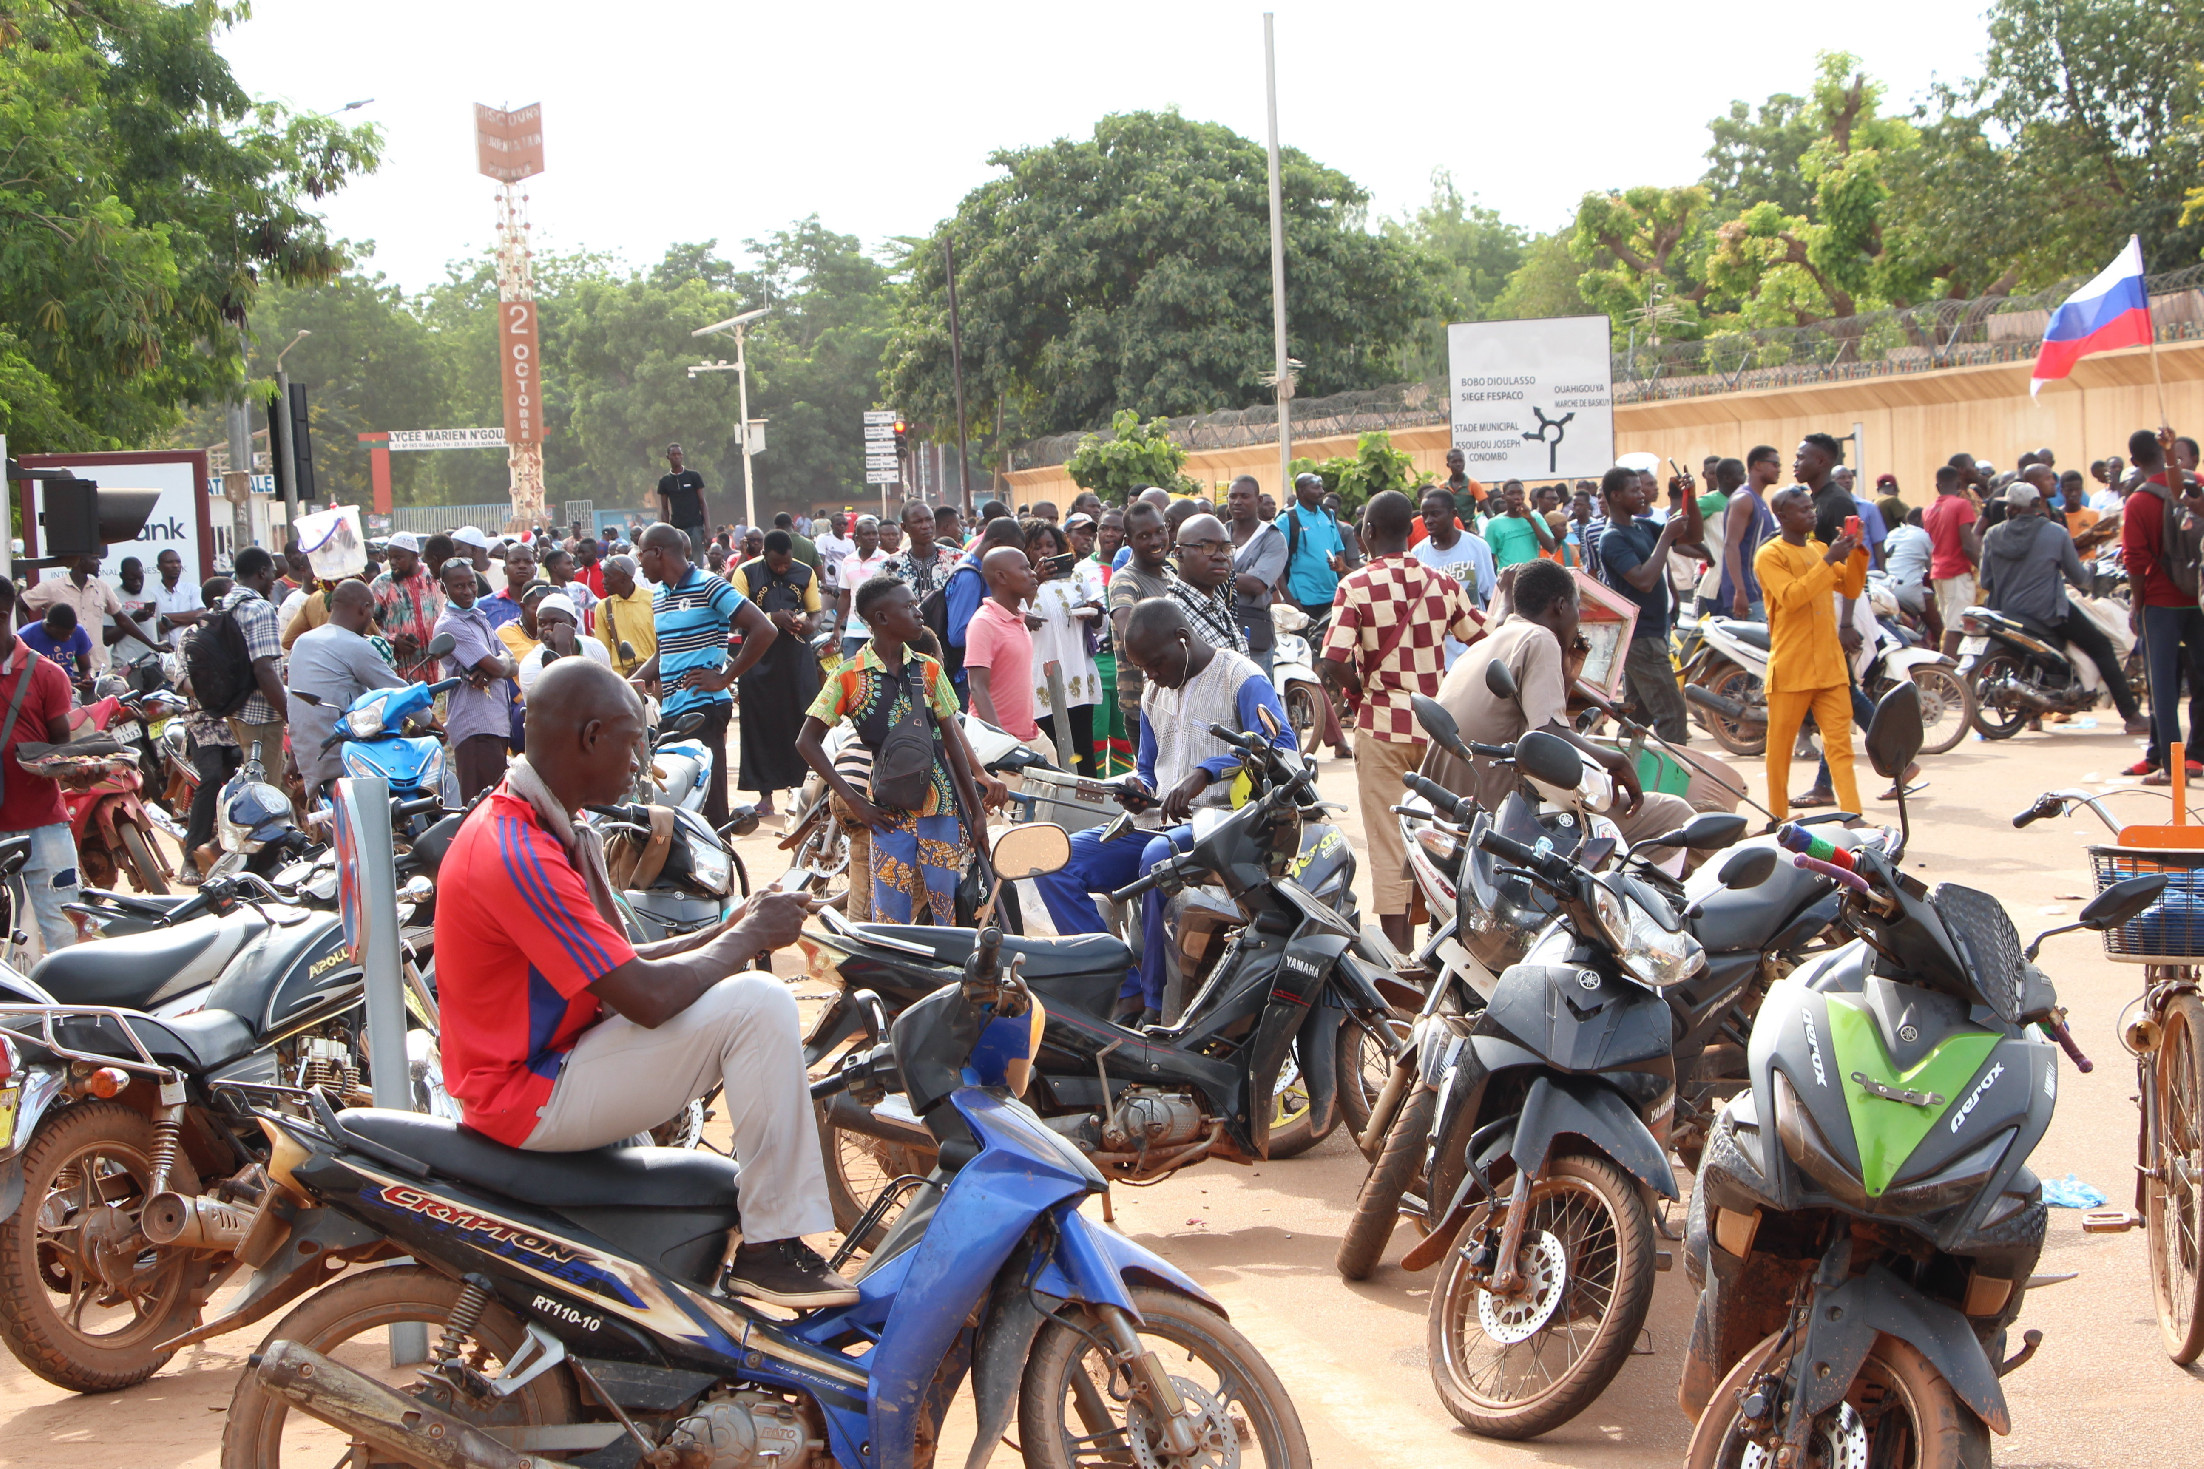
x=584 y=847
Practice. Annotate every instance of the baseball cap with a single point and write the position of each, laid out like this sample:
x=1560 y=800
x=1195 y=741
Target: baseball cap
x=468 y=535
x=1077 y=520
x=2020 y=494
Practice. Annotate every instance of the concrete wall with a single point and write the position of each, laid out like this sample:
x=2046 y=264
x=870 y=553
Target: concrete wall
x=1908 y=424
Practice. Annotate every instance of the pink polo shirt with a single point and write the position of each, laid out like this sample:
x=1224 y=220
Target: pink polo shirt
x=997 y=640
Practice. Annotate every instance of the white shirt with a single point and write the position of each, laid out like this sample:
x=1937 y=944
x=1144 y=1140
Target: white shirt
x=854 y=571
x=185 y=598
x=1468 y=561
x=2107 y=501
x=531 y=667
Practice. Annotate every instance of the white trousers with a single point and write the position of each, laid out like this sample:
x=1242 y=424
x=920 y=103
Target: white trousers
x=622 y=1078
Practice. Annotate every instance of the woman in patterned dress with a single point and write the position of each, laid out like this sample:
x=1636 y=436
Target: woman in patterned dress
x=918 y=855
x=1065 y=616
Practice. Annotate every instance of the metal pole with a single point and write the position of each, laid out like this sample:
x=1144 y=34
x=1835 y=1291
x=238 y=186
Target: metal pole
x=742 y=400
x=1278 y=268
x=956 y=368
x=282 y=460
x=363 y=807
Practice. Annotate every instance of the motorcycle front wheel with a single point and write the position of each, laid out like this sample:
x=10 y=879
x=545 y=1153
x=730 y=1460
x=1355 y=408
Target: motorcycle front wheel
x=1738 y=736
x=1898 y=1411
x=144 y=868
x=1947 y=708
x=1305 y=717
x=1073 y=1409
x=1996 y=723
x=1518 y=1366
x=1377 y=1207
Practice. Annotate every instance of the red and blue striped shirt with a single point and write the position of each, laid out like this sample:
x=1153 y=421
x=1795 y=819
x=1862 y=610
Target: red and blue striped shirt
x=518 y=943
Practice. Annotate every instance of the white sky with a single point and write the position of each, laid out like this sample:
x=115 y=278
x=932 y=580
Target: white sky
x=880 y=117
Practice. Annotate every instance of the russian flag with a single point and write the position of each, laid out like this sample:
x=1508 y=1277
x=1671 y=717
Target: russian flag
x=2112 y=311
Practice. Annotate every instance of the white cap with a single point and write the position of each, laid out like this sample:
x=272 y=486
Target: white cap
x=406 y=540
x=558 y=602
x=468 y=535
x=2020 y=494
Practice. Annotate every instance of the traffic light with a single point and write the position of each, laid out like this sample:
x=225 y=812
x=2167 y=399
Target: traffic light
x=81 y=519
x=902 y=437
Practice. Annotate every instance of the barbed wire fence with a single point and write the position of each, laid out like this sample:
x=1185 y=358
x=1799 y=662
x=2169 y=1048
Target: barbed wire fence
x=1935 y=335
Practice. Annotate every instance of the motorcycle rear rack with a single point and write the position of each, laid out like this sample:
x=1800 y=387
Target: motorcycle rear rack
x=48 y=1015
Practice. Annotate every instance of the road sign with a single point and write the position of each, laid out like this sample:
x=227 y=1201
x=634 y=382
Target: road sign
x=409 y=439
x=876 y=432
x=880 y=415
x=882 y=477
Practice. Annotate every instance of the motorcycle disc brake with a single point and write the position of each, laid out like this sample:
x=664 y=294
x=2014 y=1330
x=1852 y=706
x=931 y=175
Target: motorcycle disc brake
x=1216 y=1442
x=1545 y=1270
x=1842 y=1436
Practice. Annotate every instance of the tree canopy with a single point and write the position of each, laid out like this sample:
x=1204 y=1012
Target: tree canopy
x=145 y=202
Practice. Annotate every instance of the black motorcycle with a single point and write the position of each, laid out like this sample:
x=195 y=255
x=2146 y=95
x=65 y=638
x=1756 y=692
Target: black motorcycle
x=1252 y=1070
x=1553 y=1116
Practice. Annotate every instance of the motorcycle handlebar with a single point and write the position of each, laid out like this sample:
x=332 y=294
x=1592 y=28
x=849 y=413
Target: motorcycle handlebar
x=1441 y=799
x=2056 y=1029
x=1232 y=737
x=1842 y=876
x=1154 y=879
x=1555 y=870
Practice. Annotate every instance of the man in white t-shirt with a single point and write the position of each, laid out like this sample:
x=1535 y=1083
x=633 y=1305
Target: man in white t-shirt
x=1461 y=554
x=864 y=561
x=176 y=602
x=558 y=626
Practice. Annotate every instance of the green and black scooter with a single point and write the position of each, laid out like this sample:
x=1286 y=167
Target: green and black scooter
x=1865 y=1223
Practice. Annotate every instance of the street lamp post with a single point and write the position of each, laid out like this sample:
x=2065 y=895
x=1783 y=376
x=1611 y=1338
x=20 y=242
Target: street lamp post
x=280 y=422
x=736 y=325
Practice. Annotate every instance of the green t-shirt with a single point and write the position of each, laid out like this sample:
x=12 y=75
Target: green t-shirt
x=1712 y=504
x=1512 y=539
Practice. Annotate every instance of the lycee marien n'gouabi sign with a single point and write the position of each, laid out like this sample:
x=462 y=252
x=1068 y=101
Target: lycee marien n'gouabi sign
x=1532 y=399
x=416 y=439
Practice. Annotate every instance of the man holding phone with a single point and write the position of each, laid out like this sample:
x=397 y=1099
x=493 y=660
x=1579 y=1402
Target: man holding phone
x=1633 y=559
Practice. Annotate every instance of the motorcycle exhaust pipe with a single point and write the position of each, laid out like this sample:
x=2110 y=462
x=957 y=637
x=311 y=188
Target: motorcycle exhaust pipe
x=405 y=1428
x=1707 y=698
x=2005 y=693
x=196 y=1222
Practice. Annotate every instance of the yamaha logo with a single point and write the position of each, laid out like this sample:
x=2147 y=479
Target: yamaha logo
x=1588 y=978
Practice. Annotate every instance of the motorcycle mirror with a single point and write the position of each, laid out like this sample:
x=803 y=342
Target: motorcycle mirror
x=1031 y=849
x=1748 y=869
x=1894 y=734
x=1271 y=726
x=745 y=821
x=1710 y=831
x=1549 y=759
x=2122 y=901
x=440 y=646
x=1499 y=680
x=1440 y=725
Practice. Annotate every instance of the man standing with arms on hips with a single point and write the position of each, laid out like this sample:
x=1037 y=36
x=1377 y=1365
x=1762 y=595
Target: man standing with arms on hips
x=478 y=721
x=693 y=612
x=681 y=500
x=2165 y=613
x=1387 y=644
x=1258 y=560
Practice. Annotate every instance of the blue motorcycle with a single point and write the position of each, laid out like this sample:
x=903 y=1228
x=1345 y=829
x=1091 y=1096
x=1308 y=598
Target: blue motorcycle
x=581 y=1320
x=376 y=731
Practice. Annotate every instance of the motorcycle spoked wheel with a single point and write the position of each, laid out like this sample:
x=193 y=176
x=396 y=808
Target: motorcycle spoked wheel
x=348 y=1321
x=1897 y=1411
x=138 y=858
x=83 y=1298
x=1306 y=718
x=1947 y=708
x=1074 y=1410
x=1377 y=1206
x=859 y=1168
x=1517 y=1366
x=1996 y=723
x=1365 y=1061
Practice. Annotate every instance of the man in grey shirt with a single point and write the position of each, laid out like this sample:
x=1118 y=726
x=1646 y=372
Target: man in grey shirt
x=2023 y=558
x=479 y=723
x=1258 y=560
x=332 y=665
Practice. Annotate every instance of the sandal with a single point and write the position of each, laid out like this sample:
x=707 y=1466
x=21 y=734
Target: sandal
x=1813 y=800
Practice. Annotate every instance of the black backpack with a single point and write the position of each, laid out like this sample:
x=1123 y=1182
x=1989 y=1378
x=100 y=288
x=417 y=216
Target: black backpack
x=220 y=663
x=2180 y=543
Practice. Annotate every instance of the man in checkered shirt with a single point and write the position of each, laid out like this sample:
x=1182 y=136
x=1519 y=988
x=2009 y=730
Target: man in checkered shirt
x=1387 y=644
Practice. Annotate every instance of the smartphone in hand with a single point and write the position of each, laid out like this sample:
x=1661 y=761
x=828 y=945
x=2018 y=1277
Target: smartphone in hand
x=1852 y=526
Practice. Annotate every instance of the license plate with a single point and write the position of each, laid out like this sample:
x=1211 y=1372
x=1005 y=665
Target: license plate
x=160 y=727
x=1973 y=647
x=9 y=1096
x=127 y=731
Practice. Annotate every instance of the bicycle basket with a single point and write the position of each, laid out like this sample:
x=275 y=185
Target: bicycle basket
x=2170 y=931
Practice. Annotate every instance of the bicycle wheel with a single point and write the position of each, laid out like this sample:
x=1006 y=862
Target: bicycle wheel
x=2173 y=1193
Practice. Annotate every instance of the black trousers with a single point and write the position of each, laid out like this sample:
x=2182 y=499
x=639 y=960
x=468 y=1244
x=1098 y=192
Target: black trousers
x=215 y=764
x=2085 y=635
x=714 y=736
x=480 y=763
x=1082 y=736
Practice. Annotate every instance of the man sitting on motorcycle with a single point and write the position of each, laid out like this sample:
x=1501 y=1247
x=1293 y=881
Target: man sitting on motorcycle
x=559 y=1036
x=1191 y=684
x=2023 y=557
x=1535 y=644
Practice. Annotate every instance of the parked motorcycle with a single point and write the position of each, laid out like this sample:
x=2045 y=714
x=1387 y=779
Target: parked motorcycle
x=1251 y=1071
x=2020 y=672
x=1293 y=671
x=391 y=735
x=1865 y=1226
x=991 y=1268
x=100 y=784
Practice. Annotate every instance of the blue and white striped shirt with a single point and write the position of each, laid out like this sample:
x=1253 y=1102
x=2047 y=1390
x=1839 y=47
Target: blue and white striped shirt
x=692 y=619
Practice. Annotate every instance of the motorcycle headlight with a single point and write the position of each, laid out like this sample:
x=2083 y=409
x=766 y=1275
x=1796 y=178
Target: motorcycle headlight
x=1612 y=915
x=1652 y=955
x=709 y=863
x=365 y=724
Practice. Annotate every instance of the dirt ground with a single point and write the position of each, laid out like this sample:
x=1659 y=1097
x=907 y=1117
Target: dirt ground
x=2100 y=1392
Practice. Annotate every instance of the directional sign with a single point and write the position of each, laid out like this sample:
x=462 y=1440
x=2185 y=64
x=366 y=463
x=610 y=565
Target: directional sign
x=880 y=415
x=874 y=432
x=882 y=477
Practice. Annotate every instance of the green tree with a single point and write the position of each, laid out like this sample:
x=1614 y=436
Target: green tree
x=1134 y=456
x=1132 y=270
x=1756 y=156
x=1639 y=249
x=1375 y=467
x=1544 y=285
x=145 y=201
x=1474 y=252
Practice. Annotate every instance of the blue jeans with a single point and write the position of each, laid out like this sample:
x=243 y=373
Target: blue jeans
x=1099 y=867
x=48 y=878
x=2172 y=639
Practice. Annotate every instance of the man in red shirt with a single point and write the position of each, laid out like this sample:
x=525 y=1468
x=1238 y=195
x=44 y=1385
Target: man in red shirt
x=1955 y=549
x=2166 y=615
x=559 y=1036
x=34 y=708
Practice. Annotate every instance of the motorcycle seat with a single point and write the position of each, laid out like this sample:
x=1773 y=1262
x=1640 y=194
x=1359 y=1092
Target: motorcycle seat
x=130 y=972
x=1751 y=634
x=202 y=1041
x=615 y=1177
x=1045 y=957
